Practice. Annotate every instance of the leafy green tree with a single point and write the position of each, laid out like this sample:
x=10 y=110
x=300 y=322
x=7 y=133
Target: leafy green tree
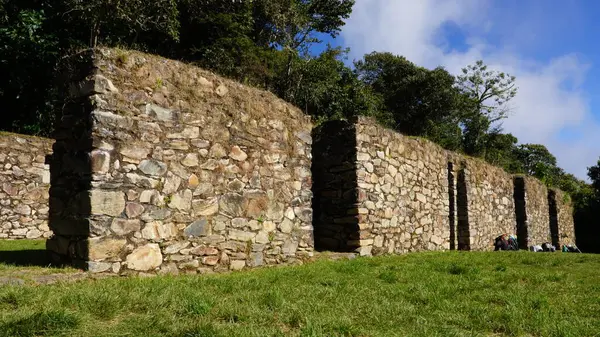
x=27 y=55
x=123 y=21
x=488 y=93
x=327 y=89
x=500 y=151
x=594 y=174
x=292 y=26
x=537 y=161
x=419 y=101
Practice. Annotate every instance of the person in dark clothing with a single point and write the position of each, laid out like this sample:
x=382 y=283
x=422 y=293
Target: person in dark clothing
x=506 y=242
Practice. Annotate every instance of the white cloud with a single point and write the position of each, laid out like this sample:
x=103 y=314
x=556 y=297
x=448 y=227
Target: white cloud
x=550 y=97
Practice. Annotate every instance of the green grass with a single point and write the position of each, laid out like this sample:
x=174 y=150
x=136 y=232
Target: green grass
x=26 y=256
x=421 y=294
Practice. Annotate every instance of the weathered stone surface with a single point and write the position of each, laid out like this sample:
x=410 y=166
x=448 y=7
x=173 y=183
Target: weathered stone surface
x=123 y=227
x=239 y=235
x=286 y=226
x=210 y=260
x=222 y=90
x=145 y=258
x=217 y=151
x=190 y=160
x=237 y=154
x=22 y=209
x=188 y=132
x=133 y=209
x=153 y=167
x=104 y=248
x=98 y=267
x=232 y=204
x=34 y=234
x=237 y=264
x=110 y=203
x=197 y=228
x=172 y=183
x=204 y=251
x=100 y=161
x=182 y=200
x=176 y=247
x=134 y=151
x=159 y=113
x=157 y=231
x=205 y=207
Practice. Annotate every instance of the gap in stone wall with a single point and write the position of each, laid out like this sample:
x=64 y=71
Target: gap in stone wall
x=553 y=212
x=452 y=205
x=71 y=171
x=462 y=207
x=520 y=211
x=335 y=187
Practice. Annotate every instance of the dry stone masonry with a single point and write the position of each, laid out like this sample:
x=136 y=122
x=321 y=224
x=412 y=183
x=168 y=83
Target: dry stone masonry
x=178 y=170
x=490 y=207
x=377 y=191
x=561 y=218
x=537 y=219
x=161 y=167
x=24 y=183
x=403 y=202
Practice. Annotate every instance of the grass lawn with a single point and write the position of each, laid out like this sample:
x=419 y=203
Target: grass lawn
x=421 y=294
x=26 y=257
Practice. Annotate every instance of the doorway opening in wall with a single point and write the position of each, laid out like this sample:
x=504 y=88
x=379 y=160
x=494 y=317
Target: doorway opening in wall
x=335 y=187
x=521 y=214
x=462 y=210
x=452 y=205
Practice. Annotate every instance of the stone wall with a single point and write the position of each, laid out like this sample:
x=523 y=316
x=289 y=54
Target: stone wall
x=24 y=183
x=491 y=208
x=161 y=167
x=377 y=191
x=561 y=208
x=403 y=192
x=537 y=213
x=178 y=170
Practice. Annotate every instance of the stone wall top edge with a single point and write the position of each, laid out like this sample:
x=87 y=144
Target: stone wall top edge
x=6 y=134
x=114 y=64
x=459 y=159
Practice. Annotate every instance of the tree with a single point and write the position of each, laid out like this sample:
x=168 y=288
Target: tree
x=594 y=174
x=328 y=90
x=419 y=101
x=293 y=26
x=122 y=21
x=488 y=93
x=537 y=161
x=587 y=212
x=500 y=151
x=27 y=54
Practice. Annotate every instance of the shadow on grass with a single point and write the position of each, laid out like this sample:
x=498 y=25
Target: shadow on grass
x=25 y=258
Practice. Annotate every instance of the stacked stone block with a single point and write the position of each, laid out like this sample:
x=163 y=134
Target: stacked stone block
x=402 y=182
x=24 y=183
x=534 y=222
x=561 y=208
x=178 y=170
x=491 y=208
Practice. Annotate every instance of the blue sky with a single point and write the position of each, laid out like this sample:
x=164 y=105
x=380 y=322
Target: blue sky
x=549 y=45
